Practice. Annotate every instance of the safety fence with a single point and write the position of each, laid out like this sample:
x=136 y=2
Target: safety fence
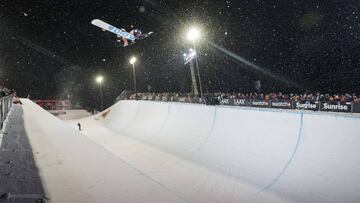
x=346 y=107
x=5 y=106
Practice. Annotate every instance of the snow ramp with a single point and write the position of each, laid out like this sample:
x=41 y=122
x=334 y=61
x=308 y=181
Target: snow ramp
x=72 y=167
x=205 y=153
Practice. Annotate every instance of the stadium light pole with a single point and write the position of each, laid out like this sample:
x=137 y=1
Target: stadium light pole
x=132 y=62
x=99 y=80
x=193 y=35
x=188 y=57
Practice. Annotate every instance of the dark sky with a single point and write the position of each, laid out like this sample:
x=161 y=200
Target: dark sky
x=48 y=48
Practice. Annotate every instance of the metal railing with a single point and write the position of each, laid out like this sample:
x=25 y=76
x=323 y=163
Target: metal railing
x=5 y=106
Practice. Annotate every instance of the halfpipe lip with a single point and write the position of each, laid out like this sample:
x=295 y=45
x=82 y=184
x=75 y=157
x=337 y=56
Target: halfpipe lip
x=321 y=113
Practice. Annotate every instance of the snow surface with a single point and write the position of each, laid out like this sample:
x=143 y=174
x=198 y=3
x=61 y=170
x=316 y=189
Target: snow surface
x=142 y=151
x=71 y=114
x=204 y=153
x=73 y=168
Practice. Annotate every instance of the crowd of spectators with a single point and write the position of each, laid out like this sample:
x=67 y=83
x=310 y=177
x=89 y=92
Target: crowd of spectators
x=295 y=97
x=260 y=96
x=4 y=91
x=149 y=95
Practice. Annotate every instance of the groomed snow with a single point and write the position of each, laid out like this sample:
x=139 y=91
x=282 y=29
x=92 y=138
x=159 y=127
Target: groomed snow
x=139 y=151
x=221 y=154
x=74 y=169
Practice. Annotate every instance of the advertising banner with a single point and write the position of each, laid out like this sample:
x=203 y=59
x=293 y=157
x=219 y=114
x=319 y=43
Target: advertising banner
x=336 y=106
x=242 y=102
x=307 y=105
x=281 y=104
x=235 y=102
x=260 y=103
x=285 y=104
x=226 y=102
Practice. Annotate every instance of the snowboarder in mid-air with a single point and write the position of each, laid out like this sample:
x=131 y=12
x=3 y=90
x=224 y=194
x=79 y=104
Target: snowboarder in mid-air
x=137 y=34
x=127 y=38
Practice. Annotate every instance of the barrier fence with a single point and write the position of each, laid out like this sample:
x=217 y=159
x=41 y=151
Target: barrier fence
x=5 y=106
x=346 y=107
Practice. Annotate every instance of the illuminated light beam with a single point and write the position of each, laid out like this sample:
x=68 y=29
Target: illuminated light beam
x=252 y=65
x=38 y=48
x=45 y=52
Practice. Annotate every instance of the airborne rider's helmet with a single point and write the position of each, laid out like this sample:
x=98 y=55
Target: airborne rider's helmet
x=137 y=33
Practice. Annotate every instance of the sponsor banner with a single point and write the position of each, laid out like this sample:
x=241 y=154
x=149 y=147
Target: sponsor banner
x=307 y=105
x=235 y=102
x=356 y=107
x=226 y=102
x=186 y=99
x=336 y=106
x=260 y=103
x=242 y=102
x=284 y=104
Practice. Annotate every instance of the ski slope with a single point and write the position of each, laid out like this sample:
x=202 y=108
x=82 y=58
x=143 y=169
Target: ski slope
x=204 y=153
x=141 y=151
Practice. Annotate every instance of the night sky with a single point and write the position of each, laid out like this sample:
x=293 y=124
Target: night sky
x=48 y=48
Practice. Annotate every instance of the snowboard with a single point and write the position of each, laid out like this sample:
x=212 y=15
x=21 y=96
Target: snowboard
x=119 y=32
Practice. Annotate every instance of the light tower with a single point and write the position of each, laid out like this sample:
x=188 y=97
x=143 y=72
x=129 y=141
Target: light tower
x=193 y=35
x=132 y=62
x=99 y=80
x=188 y=57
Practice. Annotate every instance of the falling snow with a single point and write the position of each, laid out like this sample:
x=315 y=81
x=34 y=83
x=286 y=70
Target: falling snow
x=314 y=44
